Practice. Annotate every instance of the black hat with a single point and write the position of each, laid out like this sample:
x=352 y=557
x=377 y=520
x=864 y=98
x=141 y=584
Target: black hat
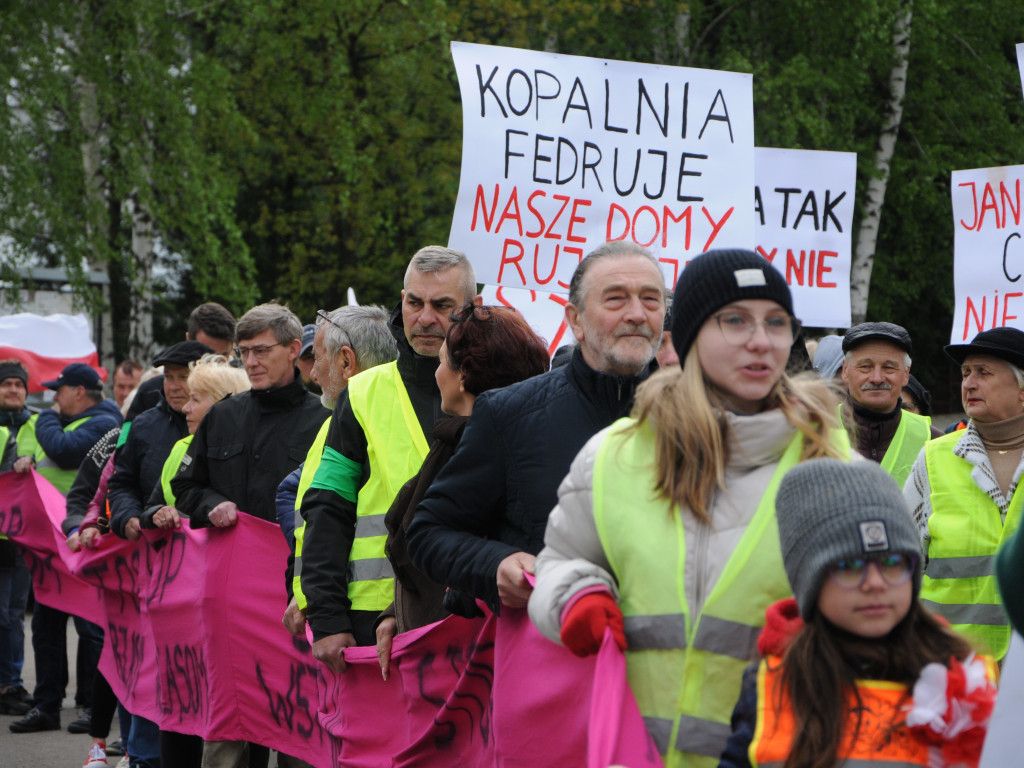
x=922 y=396
x=1005 y=343
x=717 y=278
x=76 y=375
x=890 y=332
x=14 y=371
x=182 y=353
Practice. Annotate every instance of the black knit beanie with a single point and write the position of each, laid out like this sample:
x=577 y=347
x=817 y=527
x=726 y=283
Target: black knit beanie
x=13 y=371
x=717 y=278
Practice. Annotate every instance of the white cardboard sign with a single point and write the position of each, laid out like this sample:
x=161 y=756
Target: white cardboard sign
x=803 y=206
x=988 y=251
x=563 y=153
x=545 y=312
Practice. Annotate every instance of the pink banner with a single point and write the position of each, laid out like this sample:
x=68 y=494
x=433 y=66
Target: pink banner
x=194 y=642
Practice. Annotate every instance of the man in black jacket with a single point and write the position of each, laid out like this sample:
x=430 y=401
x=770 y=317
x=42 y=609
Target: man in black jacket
x=481 y=524
x=246 y=444
x=139 y=461
x=379 y=434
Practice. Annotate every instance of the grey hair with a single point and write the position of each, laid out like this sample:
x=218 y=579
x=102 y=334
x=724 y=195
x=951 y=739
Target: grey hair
x=275 y=317
x=1017 y=372
x=848 y=356
x=613 y=249
x=366 y=330
x=438 y=258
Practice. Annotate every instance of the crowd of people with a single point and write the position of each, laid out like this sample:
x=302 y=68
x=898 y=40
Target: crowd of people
x=793 y=558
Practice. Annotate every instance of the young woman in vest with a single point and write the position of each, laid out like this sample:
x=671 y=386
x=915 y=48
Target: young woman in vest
x=485 y=348
x=855 y=669
x=667 y=519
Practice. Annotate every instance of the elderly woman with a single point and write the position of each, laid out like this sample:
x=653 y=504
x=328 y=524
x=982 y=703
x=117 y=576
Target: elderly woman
x=962 y=489
x=665 y=528
x=485 y=348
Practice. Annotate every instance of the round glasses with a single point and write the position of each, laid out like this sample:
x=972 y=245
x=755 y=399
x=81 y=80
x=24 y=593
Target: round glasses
x=896 y=569
x=739 y=327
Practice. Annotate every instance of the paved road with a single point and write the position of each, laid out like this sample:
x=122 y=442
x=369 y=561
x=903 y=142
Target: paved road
x=49 y=749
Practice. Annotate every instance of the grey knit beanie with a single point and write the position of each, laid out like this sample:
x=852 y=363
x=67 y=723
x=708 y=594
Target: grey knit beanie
x=831 y=510
x=717 y=278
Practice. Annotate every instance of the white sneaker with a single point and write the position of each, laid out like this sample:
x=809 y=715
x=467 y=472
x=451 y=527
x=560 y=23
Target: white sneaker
x=97 y=756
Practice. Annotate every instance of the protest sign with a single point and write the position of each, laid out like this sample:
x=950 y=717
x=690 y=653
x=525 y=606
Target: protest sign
x=545 y=312
x=803 y=206
x=563 y=153
x=1002 y=744
x=988 y=251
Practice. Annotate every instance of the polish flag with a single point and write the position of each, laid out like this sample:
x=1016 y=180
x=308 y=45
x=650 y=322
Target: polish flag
x=45 y=344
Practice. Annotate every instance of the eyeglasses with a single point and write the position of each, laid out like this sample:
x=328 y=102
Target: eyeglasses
x=259 y=353
x=739 y=327
x=895 y=568
x=322 y=317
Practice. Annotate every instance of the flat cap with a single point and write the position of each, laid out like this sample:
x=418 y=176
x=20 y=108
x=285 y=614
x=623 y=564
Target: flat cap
x=182 y=353
x=890 y=332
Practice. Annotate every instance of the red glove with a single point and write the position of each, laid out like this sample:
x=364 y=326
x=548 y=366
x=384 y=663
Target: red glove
x=585 y=622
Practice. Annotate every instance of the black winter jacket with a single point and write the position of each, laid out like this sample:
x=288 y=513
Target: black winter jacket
x=139 y=462
x=244 y=447
x=494 y=497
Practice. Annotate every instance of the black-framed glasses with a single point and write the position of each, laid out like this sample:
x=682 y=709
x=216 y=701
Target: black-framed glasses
x=738 y=327
x=258 y=352
x=895 y=568
x=322 y=317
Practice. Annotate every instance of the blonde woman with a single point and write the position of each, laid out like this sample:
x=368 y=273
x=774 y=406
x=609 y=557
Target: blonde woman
x=665 y=526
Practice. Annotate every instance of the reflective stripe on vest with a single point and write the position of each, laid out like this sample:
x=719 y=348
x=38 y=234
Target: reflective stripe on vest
x=882 y=741
x=171 y=466
x=684 y=671
x=911 y=434
x=61 y=479
x=309 y=467
x=966 y=530
x=395 y=449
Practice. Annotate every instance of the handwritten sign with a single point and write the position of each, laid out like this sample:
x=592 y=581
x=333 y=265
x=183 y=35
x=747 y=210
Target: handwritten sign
x=563 y=153
x=545 y=312
x=988 y=251
x=803 y=206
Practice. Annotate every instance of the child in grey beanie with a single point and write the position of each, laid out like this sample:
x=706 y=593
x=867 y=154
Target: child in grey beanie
x=830 y=510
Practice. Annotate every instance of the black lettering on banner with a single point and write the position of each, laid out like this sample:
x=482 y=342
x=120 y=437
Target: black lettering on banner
x=809 y=208
x=95 y=572
x=829 y=211
x=128 y=647
x=759 y=205
x=1006 y=247
x=722 y=117
x=128 y=579
x=462 y=706
x=584 y=106
x=40 y=568
x=164 y=559
x=12 y=522
x=185 y=681
x=484 y=87
x=294 y=709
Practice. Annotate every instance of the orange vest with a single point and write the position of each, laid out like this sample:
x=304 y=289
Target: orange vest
x=882 y=738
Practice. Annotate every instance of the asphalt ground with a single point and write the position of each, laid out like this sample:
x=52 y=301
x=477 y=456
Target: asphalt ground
x=48 y=749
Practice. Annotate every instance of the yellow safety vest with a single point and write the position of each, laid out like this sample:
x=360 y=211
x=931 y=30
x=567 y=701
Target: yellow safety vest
x=25 y=442
x=395 y=449
x=912 y=433
x=61 y=479
x=171 y=466
x=685 y=671
x=316 y=452
x=966 y=530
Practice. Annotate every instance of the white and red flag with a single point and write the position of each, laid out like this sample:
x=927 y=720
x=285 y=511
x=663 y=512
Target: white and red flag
x=47 y=343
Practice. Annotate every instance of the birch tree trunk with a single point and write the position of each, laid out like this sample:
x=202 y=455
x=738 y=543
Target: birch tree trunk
x=143 y=258
x=867 y=235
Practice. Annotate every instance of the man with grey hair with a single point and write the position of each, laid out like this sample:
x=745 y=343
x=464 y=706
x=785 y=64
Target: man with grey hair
x=482 y=522
x=876 y=367
x=348 y=340
x=247 y=443
x=379 y=434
